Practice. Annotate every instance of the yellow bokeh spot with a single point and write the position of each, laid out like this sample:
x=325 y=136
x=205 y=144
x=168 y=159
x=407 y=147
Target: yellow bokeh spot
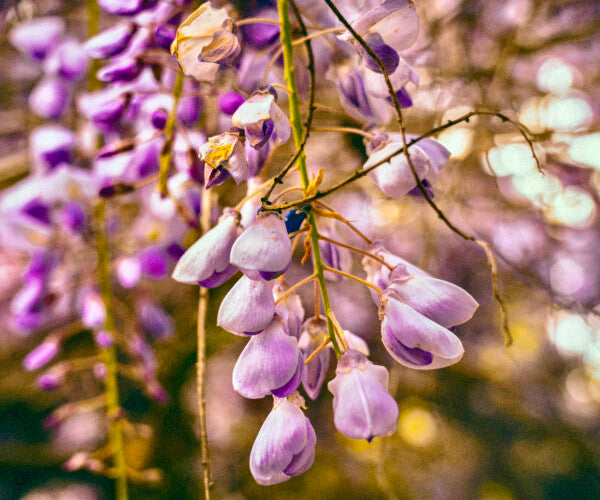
x=494 y=491
x=417 y=426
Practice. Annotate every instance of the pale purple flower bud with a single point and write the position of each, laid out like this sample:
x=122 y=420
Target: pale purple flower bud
x=261 y=35
x=362 y=407
x=42 y=354
x=285 y=444
x=414 y=340
x=355 y=342
x=49 y=98
x=334 y=256
x=386 y=54
x=164 y=36
x=155 y=320
x=261 y=117
x=51 y=145
x=37 y=209
x=68 y=60
x=52 y=378
x=122 y=7
x=224 y=153
x=110 y=42
x=189 y=110
x=247 y=308
x=129 y=271
x=263 y=250
x=157 y=392
x=314 y=333
x=28 y=297
x=123 y=69
x=230 y=102
x=100 y=371
x=290 y=309
x=103 y=107
x=395 y=177
x=206 y=262
x=93 y=310
x=154 y=262
x=439 y=300
x=73 y=217
x=159 y=118
x=143 y=351
x=268 y=362
x=103 y=339
x=37 y=36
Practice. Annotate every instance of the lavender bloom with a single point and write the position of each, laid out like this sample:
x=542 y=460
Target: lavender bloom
x=37 y=36
x=250 y=209
x=123 y=69
x=314 y=333
x=93 y=310
x=247 y=308
x=413 y=339
x=202 y=42
x=224 y=156
x=103 y=339
x=164 y=36
x=269 y=362
x=73 y=217
x=110 y=42
x=261 y=35
x=154 y=262
x=290 y=309
x=42 y=354
x=50 y=145
x=154 y=320
x=206 y=262
x=285 y=445
x=439 y=300
x=386 y=54
x=68 y=60
x=103 y=107
x=189 y=110
x=263 y=250
x=334 y=256
x=257 y=159
x=395 y=177
x=261 y=118
x=230 y=102
x=52 y=378
x=129 y=271
x=122 y=7
x=395 y=21
x=362 y=407
x=49 y=98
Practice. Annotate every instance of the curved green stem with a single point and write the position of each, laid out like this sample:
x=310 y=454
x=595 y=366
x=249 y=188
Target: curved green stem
x=109 y=356
x=296 y=122
x=165 y=154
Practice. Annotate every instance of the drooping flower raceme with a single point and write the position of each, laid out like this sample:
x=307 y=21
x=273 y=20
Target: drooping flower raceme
x=362 y=407
x=285 y=445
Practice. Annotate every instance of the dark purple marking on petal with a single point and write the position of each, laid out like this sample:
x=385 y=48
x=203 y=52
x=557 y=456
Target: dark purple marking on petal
x=293 y=383
x=412 y=355
x=386 y=54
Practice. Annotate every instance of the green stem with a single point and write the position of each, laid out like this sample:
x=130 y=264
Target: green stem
x=165 y=154
x=296 y=122
x=109 y=355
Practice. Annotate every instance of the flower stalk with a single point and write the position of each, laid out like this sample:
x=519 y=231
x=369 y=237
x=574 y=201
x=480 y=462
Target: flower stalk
x=294 y=104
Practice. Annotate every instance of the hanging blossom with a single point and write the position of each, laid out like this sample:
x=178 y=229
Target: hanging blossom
x=205 y=41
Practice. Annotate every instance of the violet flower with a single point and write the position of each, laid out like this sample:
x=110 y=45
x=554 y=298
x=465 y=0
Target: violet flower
x=49 y=98
x=261 y=118
x=42 y=354
x=290 y=309
x=263 y=250
x=38 y=36
x=204 y=41
x=271 y=363
x=110 y=42
x=68 y=60
x=50 y=145
x=362 y=407
x=247 y=308
x=206 y=262
x=314 y=333
x=285 y=444
x=413 y=339
x=224 y=156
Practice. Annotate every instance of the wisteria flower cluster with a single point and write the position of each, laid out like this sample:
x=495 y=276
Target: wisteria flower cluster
x=199 y=120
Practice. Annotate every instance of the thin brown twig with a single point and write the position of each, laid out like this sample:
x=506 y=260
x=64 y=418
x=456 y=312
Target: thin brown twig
x=358 y=250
